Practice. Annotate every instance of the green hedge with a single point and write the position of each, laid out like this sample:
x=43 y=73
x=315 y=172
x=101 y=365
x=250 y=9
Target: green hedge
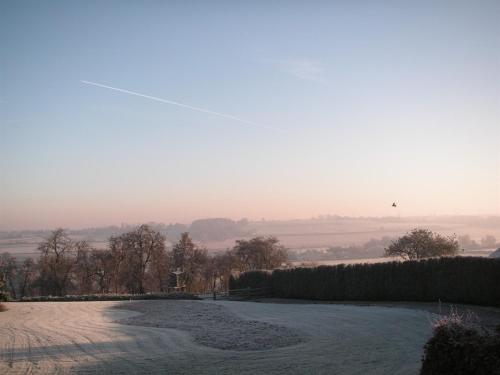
x=457 y=279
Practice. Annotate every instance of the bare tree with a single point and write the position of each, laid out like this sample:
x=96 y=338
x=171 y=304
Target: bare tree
x=422 y=243
x=259 y=253
x=117 y=250
x=8 y=273
x=56 y=263
x=223 y=264
x=85 y=268
x=104 y=266
x=133 y=253
x=158 y=275
x=3 y=296
x=27 y=275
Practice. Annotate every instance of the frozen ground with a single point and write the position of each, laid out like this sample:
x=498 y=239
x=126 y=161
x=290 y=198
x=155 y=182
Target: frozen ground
x=84 y=337
x=213 y=325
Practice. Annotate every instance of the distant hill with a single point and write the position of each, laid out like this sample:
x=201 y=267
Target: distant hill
x=218 y=229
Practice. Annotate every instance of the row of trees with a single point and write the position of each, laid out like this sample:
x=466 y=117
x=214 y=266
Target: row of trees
x=435 y=276
x=134 y=262
x=486 y=242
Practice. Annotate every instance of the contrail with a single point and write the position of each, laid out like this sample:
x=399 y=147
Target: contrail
x=225 y=115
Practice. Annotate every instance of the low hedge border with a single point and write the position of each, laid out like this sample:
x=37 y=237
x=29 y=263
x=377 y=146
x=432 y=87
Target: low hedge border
x=109 y=297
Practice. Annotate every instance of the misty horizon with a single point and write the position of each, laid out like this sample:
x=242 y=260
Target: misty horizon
x=324 y=217
x=339 y=107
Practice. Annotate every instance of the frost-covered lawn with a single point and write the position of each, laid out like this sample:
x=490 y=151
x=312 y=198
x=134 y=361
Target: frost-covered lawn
x=213 y=325
x=206 y=337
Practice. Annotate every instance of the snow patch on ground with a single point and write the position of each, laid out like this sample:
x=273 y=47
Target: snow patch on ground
x=212 y=325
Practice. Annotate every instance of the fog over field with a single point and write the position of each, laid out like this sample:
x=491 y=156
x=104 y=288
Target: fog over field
x=348 y=237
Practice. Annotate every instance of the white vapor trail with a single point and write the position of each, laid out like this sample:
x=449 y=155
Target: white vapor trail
x=179 y=104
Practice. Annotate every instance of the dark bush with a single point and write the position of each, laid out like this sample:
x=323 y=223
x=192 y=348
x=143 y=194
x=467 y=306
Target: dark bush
x=458 y=279
x=251 y=279
x=457 y=349
x=4 y=297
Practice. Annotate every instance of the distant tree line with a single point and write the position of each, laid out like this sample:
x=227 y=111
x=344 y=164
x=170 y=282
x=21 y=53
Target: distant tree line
x=213 y=229
x=376 y=247
x=137 y=261
x=471 y=280
x=370 y=249
x=486 y=242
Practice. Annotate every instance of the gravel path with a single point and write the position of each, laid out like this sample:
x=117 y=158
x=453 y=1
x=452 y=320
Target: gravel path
x=84 y=337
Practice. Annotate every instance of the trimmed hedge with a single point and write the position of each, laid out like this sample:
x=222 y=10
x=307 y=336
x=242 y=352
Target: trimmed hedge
x=449 y=279
x=109 y=297
x=251 y=279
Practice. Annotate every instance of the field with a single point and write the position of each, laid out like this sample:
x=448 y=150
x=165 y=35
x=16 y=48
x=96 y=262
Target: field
x=472 y=253
x=296 y=235
x=222 y=337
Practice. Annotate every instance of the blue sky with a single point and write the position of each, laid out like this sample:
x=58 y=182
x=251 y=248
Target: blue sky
x=373 y=102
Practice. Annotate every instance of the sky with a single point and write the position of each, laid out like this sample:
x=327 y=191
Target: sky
x=283 y=110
